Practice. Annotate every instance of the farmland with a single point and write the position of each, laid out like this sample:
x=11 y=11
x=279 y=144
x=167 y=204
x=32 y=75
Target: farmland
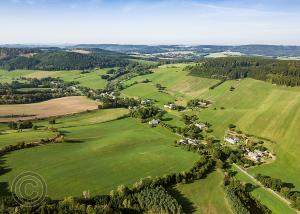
x=203 y=196
x=91 y=79
x=110 y=151
x=105 y=159
x=253 y=106
x=54 y=107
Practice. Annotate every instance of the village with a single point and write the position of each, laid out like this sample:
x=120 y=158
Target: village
x=253 y=149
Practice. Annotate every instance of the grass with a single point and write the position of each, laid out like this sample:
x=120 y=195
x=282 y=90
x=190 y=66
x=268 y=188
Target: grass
x=86 y=118
x=256 y=107
x=92 y=80
x=26 y=136
x=101 y=157
x=265 y=197
x=203 y=196
x=33 y=89
x=263 y=110
x=148 y=91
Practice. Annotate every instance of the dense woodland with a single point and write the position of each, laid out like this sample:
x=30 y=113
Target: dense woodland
x=279 y=72
x=61 y=60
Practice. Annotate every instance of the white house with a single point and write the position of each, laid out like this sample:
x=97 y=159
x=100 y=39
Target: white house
x=146 y=102
x=202 y=104
x=170 y=106
x=232 y=139
x=154 y=122
x=254 y=156
x=200 y=125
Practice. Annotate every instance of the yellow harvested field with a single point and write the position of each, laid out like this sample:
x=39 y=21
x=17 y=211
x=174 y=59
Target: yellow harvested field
x=54 y=107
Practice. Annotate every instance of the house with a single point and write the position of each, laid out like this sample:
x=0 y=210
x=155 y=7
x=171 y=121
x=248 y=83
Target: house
x=200 y=125
x=254 y=156
x=202 y=104
x=170 y=106
x=183 y=142
x=188 y=141
x=108 y=95
x=146 y=102
x=154 y=122
x=192 y=142
x=232 y=139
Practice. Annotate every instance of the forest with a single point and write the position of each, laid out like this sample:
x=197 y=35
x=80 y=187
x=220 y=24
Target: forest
x=279 y=72
x=34 y=59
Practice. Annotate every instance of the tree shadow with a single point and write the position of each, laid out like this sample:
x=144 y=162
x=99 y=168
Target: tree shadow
x=167 y=119
x=73 y=141
x=187 y=205
x=4 y=189
x=4 y=186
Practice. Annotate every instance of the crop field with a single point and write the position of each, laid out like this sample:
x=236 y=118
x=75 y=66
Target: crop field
x=108 y=154
x=54 y=107
x=203 y=196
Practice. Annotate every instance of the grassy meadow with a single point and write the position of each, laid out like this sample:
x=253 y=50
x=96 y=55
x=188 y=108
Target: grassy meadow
x=99 y=157
x=111 y=152
x=256 y=107
x=26 y=136
x=92 y=79
x=203 y=196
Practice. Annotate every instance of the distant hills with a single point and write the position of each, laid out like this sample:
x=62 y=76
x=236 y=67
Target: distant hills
x=263 y=50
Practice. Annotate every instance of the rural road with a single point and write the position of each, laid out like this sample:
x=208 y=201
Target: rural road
x=258 y=183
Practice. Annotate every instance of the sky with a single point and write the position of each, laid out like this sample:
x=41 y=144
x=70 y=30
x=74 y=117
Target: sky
x=153 y=22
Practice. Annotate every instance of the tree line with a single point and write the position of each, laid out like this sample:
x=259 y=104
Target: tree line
x=281 y=187
x=281 y=72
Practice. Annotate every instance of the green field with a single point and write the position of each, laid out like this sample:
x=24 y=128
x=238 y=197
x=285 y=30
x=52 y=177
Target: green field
x=256 y=107
x=101 y=157
x=203 y=196
x=91 y=80
x=109 y=153
x=275 y=204
x=26 y=136
x=86 y=118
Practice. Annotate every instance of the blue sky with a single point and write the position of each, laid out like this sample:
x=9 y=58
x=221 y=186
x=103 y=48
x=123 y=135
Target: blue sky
x=150 y=21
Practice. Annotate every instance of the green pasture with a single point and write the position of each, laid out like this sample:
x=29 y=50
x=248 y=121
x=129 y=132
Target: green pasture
x=275 y=204
x=26 y=136
x=86 y=118
x=100 y=157
x=92 y=79
x=203 y=196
